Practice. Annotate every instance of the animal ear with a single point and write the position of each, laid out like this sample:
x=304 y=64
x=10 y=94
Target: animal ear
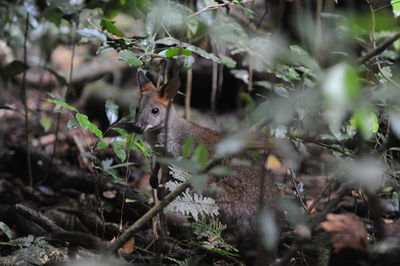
x=168 y=91
x=144 y=83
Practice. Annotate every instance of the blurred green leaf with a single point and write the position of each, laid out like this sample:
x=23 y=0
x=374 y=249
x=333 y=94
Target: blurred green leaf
x=268 y=229
x=188 y=62
x=200 y=154
x=199 y=183
x=119 y=151
x=395 y=7
x=101 y=145
x=186 y=148
x=111 y=111
x=111 y=28
x=171 y=52
x=203 y=53
x=63 y=104
x=365 y=121
x=227 y=61
x=45 y=122
x=340 y=89
x=223 y=171
x=232 y=144
x=122 y=131
x=104 y=49
x=92 y=33
x=56 y=96
x=187 y=165
x=130 y=58
x=53 y=15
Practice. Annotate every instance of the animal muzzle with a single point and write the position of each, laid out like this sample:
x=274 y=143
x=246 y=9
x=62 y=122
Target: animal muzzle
x=138 y=127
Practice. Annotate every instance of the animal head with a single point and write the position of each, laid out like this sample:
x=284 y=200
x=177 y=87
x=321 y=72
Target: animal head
x=152 y=109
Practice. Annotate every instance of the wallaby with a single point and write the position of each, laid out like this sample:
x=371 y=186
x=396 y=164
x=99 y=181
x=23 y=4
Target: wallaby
x=238 y=197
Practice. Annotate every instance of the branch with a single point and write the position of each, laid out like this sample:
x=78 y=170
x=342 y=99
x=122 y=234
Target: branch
x=38 y=218
x=379 y=49
x=119 y=242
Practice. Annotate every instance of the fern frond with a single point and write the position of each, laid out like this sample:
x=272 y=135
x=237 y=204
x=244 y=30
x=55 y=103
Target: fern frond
x=194 y=205
x=179 y=173
x=190 y=203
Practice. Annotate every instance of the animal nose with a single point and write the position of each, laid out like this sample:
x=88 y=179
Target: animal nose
x=138 y=128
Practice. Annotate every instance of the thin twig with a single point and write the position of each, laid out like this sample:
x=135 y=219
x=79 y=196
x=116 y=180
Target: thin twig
x=294 y=181
x=374 y=46
x=188 y=94
x=250 y=79
x=317 y=199
x=214 y=89
x=379 y=49
x=25 y=103
x=65 y=94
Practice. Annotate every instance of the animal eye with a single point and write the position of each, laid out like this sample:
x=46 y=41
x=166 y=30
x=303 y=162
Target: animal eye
x=155 y=111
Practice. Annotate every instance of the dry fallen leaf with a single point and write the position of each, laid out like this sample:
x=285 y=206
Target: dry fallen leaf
x=272 y=162
x=347 y=231
x=128 y=247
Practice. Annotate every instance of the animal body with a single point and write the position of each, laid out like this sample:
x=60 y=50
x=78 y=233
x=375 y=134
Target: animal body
x=238 y=197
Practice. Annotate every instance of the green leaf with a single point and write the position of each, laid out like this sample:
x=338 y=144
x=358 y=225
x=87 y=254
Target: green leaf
x=72 y=124
x=186 y=148
x=223 y=171
x=199 y=183
x=92 y=33
x=395 y=7
x=6 y=230
x=123 y=132
x=188 y=62
x=129 y=141
x=63 y=104
x=130 y=58
x=53 y=15
x=101 y=145
x=111 y=111
x=14 y=68
x=187 y=165
x=111 y=28
x=84 y=122
x=120 y=152
x=56 y=96
x=203 y=53
x=201 y=155
x=227 y=61
x=365 y=121
x=130 y=200
x=171 y=52
x=104 y=49
x=45 y=122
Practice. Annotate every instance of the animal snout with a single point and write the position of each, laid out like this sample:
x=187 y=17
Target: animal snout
x=138 y=128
